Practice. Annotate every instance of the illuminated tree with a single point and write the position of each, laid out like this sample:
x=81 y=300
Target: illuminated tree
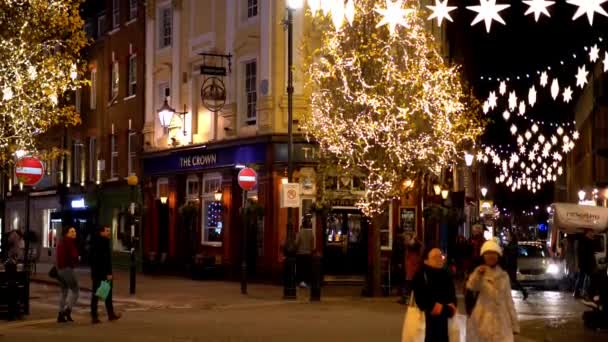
x=384 y=103
x=40 y=44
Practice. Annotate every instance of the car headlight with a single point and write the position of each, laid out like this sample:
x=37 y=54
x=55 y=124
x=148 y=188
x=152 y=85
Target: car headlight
x=552 y=269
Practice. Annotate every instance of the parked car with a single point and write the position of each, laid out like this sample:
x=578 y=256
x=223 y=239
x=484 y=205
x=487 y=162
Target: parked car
x=536 y=266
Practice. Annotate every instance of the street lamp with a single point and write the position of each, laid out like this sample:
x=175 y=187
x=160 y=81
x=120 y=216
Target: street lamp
x=445 y=194
x=132 y=181
x=218 y=195
x=484 y=192
x=468 y=158
x=289 y=286
x=437 y=189
x=166 y=112
x=581 y=195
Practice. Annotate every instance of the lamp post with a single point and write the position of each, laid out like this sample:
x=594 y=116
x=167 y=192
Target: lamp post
x=132 y=180
x=289 y=286
x=166 y=112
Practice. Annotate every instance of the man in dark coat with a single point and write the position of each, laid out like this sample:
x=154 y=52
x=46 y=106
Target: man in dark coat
x=101 y=269
x=586 y=263
x=511 y=253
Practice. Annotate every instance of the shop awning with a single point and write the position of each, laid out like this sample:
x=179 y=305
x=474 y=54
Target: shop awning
x=573 y=218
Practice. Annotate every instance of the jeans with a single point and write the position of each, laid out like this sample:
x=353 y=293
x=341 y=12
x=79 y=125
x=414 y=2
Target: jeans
x=582 y=283
x=304 y=268
x=94 y=299
x=69 y=289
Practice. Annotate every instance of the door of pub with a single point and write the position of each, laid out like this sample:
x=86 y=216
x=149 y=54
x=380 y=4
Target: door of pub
x=345 y=243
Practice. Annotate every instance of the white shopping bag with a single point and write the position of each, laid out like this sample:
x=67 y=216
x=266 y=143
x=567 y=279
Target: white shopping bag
x=414 y=324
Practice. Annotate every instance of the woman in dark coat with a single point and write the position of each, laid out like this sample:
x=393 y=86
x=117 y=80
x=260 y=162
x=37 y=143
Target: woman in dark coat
x=435 y=295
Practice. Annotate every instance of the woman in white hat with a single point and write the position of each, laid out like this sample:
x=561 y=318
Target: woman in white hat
x=493 y=318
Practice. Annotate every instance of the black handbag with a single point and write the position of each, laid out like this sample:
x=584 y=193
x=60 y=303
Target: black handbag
x=470 y=299
x=53 y=273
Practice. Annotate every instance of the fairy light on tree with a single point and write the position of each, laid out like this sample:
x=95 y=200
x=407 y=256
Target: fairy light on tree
x=384 y=103
x=40 y=45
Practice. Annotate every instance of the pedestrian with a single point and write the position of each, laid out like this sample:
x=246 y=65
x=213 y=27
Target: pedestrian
x=435 y=295
x=67 y=260
x=14 y=254
x=476 y=241
x=413 y=250
x=511 y=255
x=586 y=264
x=398 y=266
x=304 y=247
x=101 y=269
x=570 y=247
x=493 y=318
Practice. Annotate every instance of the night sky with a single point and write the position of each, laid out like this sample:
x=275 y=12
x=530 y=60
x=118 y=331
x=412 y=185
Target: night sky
x=523 y=47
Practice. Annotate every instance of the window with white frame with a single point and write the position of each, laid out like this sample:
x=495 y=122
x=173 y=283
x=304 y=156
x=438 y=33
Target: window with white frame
x=192 y=188
x=49 y=229
x=251 y=94
x=162 y=189
x=252 y=8
x=386 y=232
x=92 y=159
x=113 y=156
x=133 y=149
x=77 y=161
x=114 y=76
x=165 y=29
x=101 y=25
x=212 y=211
x=132 y=79
x=132 y=9
x=115 y=13
x=93 y=99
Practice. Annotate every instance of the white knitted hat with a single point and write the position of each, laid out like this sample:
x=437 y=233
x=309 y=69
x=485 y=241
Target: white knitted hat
x=491 y=246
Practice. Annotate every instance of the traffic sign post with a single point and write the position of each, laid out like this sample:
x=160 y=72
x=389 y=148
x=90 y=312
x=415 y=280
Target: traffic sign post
x=247 y=179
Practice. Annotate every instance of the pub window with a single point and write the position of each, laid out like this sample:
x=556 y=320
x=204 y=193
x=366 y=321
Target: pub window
x=162 y=189
x=192 y=188
x=212 y=211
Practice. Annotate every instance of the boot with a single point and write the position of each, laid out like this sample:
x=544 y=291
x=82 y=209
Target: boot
x=61 y=317
x=95 y=320
x=114 y=317
x=68 y=315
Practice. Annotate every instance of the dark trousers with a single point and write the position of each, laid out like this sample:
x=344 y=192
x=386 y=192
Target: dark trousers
x=515 y=284
x=582 y=283
x=304 y=267
x=12 y=289
x=436 y=328
x=94 y=299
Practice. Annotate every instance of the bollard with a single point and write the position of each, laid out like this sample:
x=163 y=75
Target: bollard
x=132 y=270
x=315 y=286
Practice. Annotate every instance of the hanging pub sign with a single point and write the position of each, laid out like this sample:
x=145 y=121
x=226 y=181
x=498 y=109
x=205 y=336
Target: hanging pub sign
x=210 y=70
x=213 y=94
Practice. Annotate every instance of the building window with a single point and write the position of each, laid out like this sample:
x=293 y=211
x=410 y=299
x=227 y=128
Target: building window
x=114 y=76
x=115 y=13
x=166 y=27
x=49 y=229
x=386 y=233
x=92 y=159
x=88 y=29
x=93 y=99
x=132 y=9
x=77 y=162
x=132 y=86
x=251 y=92
x=101 y=25
x=252 y=8
x=192 y=188
x=162 y=189
x=113 y=157
x=133 y=149
x=212 y=211
x=78 y=100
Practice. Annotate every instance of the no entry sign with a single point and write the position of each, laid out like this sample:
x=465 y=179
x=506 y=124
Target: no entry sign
x=29 y=170
x=247 y=178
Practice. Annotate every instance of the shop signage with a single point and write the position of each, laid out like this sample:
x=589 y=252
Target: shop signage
x=343 y=202
x=290 y=195
x=198 y=160
x=247 y=179
x=29 y=170
x=78 y=203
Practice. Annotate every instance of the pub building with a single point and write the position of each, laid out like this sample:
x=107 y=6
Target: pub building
x=193 y=219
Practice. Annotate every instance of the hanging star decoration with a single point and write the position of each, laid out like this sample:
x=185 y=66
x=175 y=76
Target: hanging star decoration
x=589 y=7
x=594 y=53
x=567 y=95
x=532 y=96
x=503 y=85
x=538 y=7
x=555 y=88
x=488 y=10
x=492 y=100
x=544 y=79
x=605 y=62
x=394 y=14
x=441 y=11
x=512 y=100
x=581 y=77
x=506 y=115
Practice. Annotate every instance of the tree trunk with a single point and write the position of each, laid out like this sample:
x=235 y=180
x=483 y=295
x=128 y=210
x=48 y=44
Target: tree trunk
x=374 y=272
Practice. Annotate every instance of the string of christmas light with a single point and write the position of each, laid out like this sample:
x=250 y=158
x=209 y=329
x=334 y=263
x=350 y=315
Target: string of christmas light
x=487 y=11
x=383 y=102
x=39 y=63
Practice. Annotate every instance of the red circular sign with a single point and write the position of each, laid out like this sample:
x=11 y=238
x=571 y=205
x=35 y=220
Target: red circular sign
x=29 y=170
x=247 y=178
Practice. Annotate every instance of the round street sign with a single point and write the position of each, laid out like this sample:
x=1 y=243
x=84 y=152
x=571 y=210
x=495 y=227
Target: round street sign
x=247 y=178
x=29 y=170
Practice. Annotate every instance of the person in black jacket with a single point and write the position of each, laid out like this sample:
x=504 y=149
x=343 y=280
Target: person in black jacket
x=586 y=263
x=435 y=295
x=101 y=269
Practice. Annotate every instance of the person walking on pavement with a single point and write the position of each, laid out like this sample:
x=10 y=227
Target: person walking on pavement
x=586 y=264
x=101 y=269
x=305 y=243
x=511 y=254
x=493 y=318
x=15 y=246
x=67 y=260
x=435 y=295
x=413 y=249
x=476 y=241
